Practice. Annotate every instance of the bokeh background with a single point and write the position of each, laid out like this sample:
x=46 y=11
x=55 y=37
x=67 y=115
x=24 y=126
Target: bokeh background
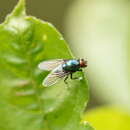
x=97 y=30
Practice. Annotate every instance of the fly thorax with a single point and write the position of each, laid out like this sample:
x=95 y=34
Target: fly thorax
x=71 y=65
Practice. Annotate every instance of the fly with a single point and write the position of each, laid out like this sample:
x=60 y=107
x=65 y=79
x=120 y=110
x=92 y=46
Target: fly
x=61 y=69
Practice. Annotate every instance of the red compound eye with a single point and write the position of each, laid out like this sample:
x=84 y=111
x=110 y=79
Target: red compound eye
x=83 y=63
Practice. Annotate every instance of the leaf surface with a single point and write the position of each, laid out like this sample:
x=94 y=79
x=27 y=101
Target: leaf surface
x=25 y=104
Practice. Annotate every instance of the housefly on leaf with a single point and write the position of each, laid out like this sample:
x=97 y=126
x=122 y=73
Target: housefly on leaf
x=61 y=69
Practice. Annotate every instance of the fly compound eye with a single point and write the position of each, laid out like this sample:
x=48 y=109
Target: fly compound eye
x=83 y=63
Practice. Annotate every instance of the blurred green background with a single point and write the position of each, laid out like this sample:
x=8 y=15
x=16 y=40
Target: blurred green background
x=98 y=31
x=53 y=11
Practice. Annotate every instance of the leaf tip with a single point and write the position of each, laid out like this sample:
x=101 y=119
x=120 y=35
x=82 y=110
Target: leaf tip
x=19 y=10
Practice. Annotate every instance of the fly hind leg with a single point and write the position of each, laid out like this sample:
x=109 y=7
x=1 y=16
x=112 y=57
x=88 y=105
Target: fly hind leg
x=65 y=80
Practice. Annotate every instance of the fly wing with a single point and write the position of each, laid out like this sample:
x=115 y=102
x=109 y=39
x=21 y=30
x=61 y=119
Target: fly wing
x=55 y=75
x=50 y=64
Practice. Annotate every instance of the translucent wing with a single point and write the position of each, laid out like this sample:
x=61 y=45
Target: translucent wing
x=50 y=64
x=55 y=75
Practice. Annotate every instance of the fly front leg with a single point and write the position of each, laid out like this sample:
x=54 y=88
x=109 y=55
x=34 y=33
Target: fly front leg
x=71 y=76
x=80 y=70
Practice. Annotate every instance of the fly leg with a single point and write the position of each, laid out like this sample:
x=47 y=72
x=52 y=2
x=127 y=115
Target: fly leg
x=65 y=80
x=74 y=78
x=80 y=70
x=71 y=76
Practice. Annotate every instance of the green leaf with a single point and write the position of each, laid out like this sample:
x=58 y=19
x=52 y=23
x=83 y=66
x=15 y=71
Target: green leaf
x=25 y=104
